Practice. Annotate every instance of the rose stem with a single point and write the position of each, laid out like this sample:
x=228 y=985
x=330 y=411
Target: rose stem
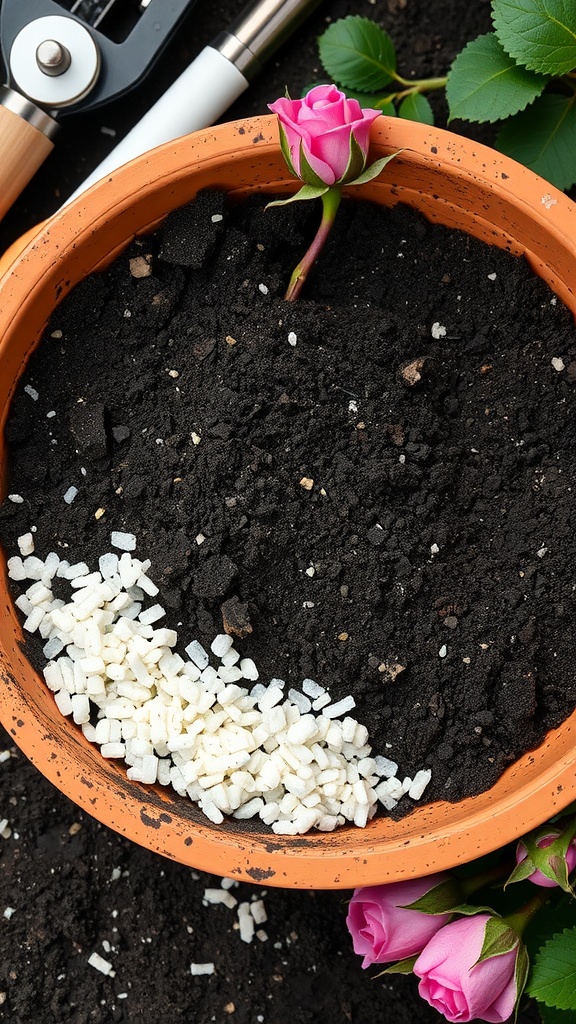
x=330 y=203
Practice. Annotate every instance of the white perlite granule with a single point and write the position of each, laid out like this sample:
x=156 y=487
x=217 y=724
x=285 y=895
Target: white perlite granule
x=70 y=494
x=198 y=969
x=438 y=331
x=102 y=965
x=124 y=541
x=26 y=544
x=232 y=745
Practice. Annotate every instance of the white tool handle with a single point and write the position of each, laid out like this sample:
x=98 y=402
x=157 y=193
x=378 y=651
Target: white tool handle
x=201 y=94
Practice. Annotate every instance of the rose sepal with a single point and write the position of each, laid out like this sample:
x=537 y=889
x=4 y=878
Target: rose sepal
x=443 y=898
x=499 y=939
x=374 y=169
x=521 y=975
x=549 y=860
x=285 y=147
x=401 y=967
x=308 y=174
x=356 y=162
x=306 y=192
x=521 y=872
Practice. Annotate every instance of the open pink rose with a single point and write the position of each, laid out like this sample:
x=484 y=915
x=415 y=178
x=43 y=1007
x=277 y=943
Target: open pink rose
x=537 y=877
x=382 y=929
x=319 y=133
x=455 y=985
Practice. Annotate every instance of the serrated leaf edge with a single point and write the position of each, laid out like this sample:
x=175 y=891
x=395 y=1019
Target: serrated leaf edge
x=486 y=120
x=552 y=1005
x=533 y=64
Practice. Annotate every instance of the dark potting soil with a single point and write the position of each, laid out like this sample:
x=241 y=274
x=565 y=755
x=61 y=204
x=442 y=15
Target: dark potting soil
x=377 y=479
x=76 y=887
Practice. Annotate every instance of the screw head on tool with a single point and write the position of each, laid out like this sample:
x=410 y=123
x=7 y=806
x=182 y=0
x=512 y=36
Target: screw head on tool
x=52 y=57
x=54 y=61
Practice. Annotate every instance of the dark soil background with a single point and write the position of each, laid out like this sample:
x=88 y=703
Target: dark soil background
x=73 y=884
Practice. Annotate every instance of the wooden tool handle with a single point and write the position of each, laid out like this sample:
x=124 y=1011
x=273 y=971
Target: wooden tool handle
x=23 y=148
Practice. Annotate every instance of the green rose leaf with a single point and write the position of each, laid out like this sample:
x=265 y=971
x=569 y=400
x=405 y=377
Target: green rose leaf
x=416 y=108
x=544 y=139
x=358 y=53
x=553 y=976
x=385 y=106
x=485 y=84
x=540 y=34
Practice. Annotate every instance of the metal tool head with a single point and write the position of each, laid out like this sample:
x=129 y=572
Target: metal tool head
x=69 y=55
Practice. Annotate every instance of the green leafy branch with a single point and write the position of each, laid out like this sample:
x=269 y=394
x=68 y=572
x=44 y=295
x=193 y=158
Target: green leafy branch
x=522 y=75
x=360 y=57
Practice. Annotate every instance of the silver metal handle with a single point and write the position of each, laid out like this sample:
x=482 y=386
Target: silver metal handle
x=259 y=30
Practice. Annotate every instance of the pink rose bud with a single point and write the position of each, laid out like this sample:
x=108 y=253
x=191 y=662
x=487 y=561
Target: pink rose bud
x=537 y=877
x=325 y=135
x=456 y=985
x=381 y=927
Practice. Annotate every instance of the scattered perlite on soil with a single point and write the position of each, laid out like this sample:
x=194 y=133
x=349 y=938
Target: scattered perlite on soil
x=204 y=725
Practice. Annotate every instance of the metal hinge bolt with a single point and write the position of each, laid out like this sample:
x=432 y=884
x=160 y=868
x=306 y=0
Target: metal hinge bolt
x=52 y=57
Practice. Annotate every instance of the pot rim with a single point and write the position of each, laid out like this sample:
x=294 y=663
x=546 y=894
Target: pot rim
x=441 y=174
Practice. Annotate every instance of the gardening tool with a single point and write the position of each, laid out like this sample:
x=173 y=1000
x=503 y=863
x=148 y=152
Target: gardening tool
x=211 y=83
x=63 y=61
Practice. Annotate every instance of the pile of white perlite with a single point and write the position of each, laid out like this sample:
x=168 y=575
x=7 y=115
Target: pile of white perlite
x=205 y=726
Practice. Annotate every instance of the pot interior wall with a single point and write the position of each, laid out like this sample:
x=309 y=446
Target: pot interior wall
x=450 y=181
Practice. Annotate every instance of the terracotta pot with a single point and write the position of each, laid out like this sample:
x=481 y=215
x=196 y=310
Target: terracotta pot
x=451 y=181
